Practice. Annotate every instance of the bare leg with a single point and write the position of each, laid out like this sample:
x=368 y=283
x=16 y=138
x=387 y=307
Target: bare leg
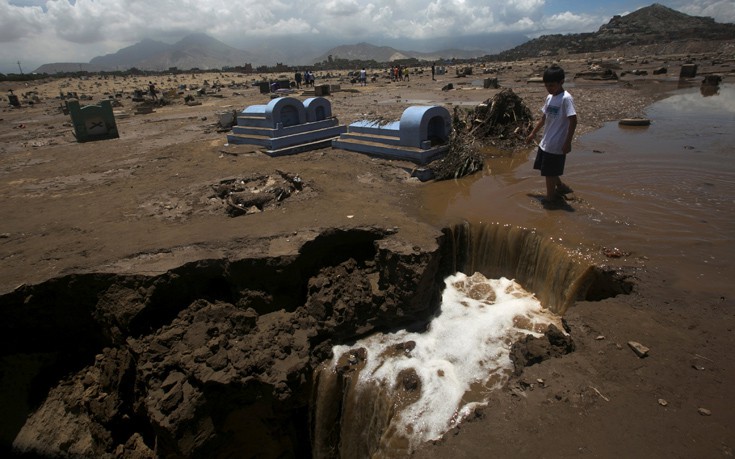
x=551 y=184
x=562 y=188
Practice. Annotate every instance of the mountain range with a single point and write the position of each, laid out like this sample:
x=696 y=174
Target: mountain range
x=204 y=52
x=652 y=24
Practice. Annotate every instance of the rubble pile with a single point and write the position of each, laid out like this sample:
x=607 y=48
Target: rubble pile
x=253 y=194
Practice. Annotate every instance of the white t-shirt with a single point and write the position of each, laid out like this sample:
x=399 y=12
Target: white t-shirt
x=557 y=109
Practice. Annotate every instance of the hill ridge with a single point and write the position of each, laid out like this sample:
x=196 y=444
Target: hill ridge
x=651 y=24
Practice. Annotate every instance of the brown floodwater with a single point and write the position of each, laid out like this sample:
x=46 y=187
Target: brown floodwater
x=664 y=194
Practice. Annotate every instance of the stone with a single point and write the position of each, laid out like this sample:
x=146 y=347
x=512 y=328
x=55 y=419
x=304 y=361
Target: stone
x=704 y=412
x=321 y=90
x=640 y=350
x=490 y=83
x=688 y=71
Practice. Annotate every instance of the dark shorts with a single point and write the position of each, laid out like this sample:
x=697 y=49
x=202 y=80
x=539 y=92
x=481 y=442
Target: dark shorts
x=549 y=164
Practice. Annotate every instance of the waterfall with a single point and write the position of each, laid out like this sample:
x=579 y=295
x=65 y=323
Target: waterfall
x=555 y=274
x=388 y=392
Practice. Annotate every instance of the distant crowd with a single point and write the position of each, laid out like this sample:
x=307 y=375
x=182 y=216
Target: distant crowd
x=307 y=78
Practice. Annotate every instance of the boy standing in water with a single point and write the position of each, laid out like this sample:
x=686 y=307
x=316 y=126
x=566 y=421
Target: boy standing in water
x=560 y=120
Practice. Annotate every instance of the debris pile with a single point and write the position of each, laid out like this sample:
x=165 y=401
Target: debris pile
x=500 y=122
x=248 y=195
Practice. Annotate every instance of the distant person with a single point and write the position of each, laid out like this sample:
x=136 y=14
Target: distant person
x=363 y=77
x=433 y=70
x=152 y=90
x=405 y=73
x=559 y=120
x=297 y=77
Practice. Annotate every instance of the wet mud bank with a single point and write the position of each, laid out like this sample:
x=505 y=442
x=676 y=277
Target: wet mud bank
x=216 y=357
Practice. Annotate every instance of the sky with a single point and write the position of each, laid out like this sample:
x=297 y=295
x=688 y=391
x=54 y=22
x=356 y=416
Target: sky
x=35 y=32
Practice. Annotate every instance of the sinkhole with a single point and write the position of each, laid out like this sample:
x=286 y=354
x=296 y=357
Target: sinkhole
x=269 y=356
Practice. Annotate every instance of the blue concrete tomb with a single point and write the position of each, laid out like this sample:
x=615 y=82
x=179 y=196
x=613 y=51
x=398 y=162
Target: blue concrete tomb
x=420 y=136
x=287 y=126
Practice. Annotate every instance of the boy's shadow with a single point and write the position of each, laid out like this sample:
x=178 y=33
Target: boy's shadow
x=561 y=204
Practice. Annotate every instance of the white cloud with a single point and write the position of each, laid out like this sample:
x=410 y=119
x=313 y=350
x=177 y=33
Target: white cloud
x=721 y=10
x=78 y=30
x=340 y=8
x=17 y=23
x=570 y=23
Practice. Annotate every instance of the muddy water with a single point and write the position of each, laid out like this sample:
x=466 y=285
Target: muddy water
x=662 y=195
x=665 y=193
x=413 y=387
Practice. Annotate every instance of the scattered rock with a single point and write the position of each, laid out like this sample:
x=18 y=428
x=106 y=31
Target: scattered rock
x=531 y=350
x=704 y=412
x=640 y=350
x=614 y=252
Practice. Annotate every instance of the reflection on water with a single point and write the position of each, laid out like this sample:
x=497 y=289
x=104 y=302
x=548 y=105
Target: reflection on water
x=665 y=193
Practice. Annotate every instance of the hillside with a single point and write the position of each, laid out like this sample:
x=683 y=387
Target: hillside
x=193 y=51
x=65 y=67
x=655 y=24
x=131 y=55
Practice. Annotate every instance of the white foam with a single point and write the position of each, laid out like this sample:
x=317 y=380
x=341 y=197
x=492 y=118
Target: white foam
x=467 y=344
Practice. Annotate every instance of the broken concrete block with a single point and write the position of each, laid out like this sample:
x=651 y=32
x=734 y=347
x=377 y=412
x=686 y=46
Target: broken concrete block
x=640 y=350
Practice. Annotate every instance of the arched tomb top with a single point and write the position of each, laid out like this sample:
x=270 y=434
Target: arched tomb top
x=285 y=111
x=317 y=109
x=419 y=124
